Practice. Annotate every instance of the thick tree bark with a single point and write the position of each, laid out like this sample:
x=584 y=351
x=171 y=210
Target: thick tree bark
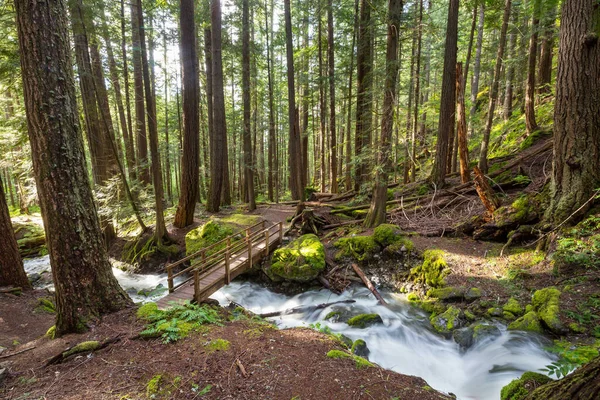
x=85 y=285
x=332 y=131
x=218 y=143
x=11 y=264
x=530 y=122
x=575 y=174
x=584 y=383
x=364 y=96
x=138 y=84
x=376 y=214
x=294 y=145
x=191 y=125
x=483 y=165
x=415 y=128
x=448 y=98
x=248 y=157
x=322 y=106
x=409 y=156
x=160 y=230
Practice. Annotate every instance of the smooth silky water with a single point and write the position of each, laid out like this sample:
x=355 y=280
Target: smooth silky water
x=404 y=342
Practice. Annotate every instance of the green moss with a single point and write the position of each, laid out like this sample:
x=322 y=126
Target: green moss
x=507 y=315
x=575 y=327
x=470 y=316
x=528 y=322
x=430 y=306
x=482 y=331
x=447 y=321
x=447 y=293
x=361 y=248
x=147 y=311
x=358 y=343
x=573 y=353
x=518 y=389
x=46 y=305
x=332 y=314
x=412 y=296
x=534 y=137
x=153 y=387
x=386 y=234
x=513 y=306
x=433 y=270
x=301 y=261
x=364 y=320
x=359 y=361
x=546 y=304
x=82 y=347
x=218 y=345
x=51 y=332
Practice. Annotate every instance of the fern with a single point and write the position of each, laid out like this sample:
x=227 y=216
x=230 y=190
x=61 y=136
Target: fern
x=560 y=368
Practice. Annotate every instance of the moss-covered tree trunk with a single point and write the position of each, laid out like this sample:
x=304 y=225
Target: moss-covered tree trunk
x=11 y=265
x=576 y=172
x=85 y=285
x=581 y=384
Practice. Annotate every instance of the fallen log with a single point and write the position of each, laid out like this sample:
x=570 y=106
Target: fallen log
x=368 y=284
x=356 y=221
x=303 y=309
x=18 y=352
x=83 y=347
x=343 y=196
x=13 y=290
x=485 y=191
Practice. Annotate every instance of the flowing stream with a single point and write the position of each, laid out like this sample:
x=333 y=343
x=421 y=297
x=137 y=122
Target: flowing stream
x=404 y=343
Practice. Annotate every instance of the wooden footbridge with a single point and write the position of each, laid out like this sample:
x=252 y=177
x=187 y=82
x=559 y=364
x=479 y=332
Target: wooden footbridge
x=218 y=264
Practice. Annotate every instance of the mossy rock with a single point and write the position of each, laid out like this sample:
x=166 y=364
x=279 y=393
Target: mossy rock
x=482 y=332
x=433 y=270
x=519 y=389
x=522 y=211
x=430 y=306
x=528 y=322
x=217 y=229
x=546 y=304
x=359 y=361
x=31 y=238
x=507 y=315
x=463 y=337
x=300 y=261
x=455 y=293
x=495 y=312
x=364 y=320
x=512 y=306
x=361 y=248
x=449 y=320
x=386 y=234
x=359 y=348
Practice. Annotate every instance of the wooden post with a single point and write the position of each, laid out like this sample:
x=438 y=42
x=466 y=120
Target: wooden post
x=197 y=286
x=485 y=191
x=267 y=243
x=227 y=254
x=280 y=232
x=170 y=278
x=463 y=151
x=249 y=244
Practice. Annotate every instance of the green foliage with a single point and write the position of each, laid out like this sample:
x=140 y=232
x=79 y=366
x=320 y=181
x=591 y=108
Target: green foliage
x=153 y=387
x=575 y=353
x=218 y=345
x=46 y=305
x=176 y=322
x=302 y=260
x=201 y=392
x=361 y=248
x=387 y=234
x=518 y=389
x=559 y=368
x=359 y=361
x=433 y=270
x=51 y=332
x=513 y=306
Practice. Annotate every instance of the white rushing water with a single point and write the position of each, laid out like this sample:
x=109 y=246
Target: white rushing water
x=404 y=342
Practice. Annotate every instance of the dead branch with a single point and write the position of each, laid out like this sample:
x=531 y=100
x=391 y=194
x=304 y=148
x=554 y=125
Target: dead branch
x=369 y=285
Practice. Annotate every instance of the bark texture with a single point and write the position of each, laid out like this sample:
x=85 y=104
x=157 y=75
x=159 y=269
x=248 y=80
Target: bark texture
x=584 y=383
x=248 y=157
x=82 y=274
x=575 y=174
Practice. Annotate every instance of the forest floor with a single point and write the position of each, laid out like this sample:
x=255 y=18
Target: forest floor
x=293 y=363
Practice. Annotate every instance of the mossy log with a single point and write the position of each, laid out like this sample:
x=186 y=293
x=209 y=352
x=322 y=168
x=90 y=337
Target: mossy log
x=584 y=383
x=82 y=347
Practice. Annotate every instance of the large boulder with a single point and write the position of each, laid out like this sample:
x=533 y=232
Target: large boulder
x=546 y=304
x=361 y=248
x=528 y=322
x=217 y=229
x=300 y=261
x=433 y=270
x=519 y=389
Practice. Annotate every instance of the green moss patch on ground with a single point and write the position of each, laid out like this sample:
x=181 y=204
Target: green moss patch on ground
x=301 y=261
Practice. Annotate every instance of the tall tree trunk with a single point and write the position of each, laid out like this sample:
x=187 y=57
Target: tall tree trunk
x=448 y=98
x=85 y=285
x=510 y=69
x=547 y=47
x=11 y=264
x=530 y=122
x=306 y=97
x=348 y=175
x=322 y=103
x=218 y=143
x=425 y=97
x=130 y=145
x=476 y=70
x=294 y=145
x=409 y=157
x=138 y=84
x=483 y=165
x=331 y=60
x=168 y=174
x=248 y=159
x=191 y=125
x=209 y=100
x=160 y=230
x=272 y=139
x=364 y=97
x=461 y=130
x=376 y=214
x=417 y=91
x=575 y=173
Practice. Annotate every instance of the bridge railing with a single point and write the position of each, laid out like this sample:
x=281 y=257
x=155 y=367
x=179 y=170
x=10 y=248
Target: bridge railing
x=223 y=256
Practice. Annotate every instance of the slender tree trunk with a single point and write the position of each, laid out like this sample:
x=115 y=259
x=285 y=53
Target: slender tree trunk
x=510 y=69
x=272 y=139
x=322 y=103
x=409 y=157
x=476 y=71
x=248 y=159
x=461 y=130
x=160 y=230
x=547 y=47
x=348 y=175
x=130 y=145
x=417 y=92
x=330 y=58
x=364 y=98
x=295 y=145
x=138 y=83
x=306 y=96
x=530 y=122
x=218 y=143
x=483 y=164
x=167 y=145
x=376 y=214
x=85 y=285
x=575 y=173
x=448 y=98
x=11 y=265
x=191 y=125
